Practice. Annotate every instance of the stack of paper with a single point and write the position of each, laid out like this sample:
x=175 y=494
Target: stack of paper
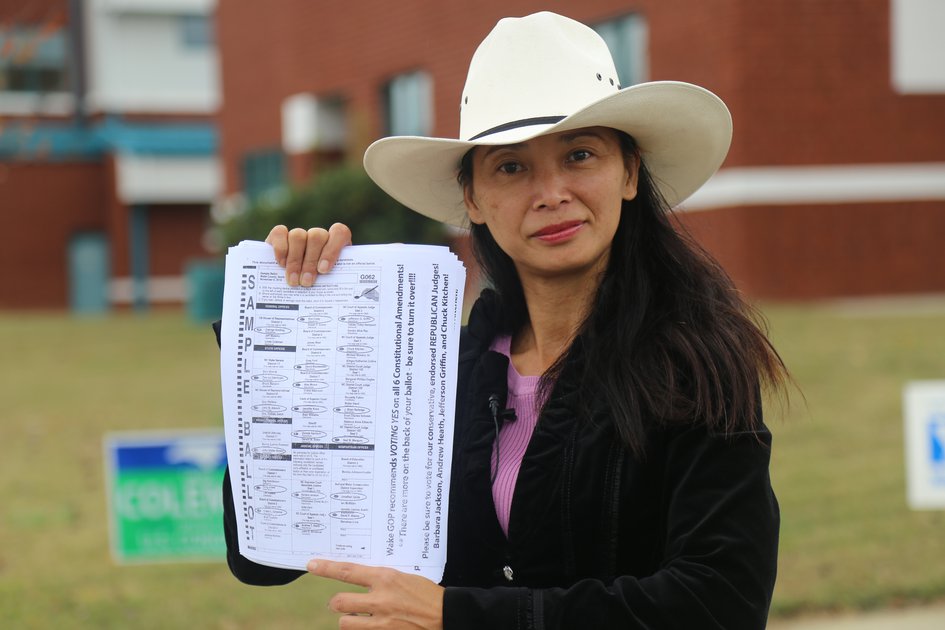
x=338 y=405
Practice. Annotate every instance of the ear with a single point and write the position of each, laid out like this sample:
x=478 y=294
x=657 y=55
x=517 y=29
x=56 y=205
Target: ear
x=472 y=208
x=632 y=167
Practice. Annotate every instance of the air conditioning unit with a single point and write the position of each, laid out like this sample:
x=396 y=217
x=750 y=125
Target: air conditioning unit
x=313 y=124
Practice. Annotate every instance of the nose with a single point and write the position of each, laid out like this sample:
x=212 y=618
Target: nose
x=550 y=188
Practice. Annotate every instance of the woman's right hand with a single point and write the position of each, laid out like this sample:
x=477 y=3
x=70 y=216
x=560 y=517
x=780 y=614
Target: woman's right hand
x=307 y=253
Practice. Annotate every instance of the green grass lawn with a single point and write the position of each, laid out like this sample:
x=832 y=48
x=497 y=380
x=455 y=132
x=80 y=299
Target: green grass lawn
x=848 y=537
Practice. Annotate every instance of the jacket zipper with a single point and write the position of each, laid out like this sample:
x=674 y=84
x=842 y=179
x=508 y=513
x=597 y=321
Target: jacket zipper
x=500 y=416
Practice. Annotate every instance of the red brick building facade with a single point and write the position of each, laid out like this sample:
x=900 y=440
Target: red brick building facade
x=35 y=275
x=809 y=84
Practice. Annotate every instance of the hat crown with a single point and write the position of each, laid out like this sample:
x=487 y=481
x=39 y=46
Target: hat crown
x=536 y=69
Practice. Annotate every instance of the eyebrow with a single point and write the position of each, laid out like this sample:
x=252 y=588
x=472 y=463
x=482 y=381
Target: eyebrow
x=500 y=147
x=564 y=138
x=571 y=137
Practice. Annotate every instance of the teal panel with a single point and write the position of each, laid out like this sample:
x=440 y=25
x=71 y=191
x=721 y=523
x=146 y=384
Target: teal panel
x=88 y=273
x=205 y=290
x=138 y=239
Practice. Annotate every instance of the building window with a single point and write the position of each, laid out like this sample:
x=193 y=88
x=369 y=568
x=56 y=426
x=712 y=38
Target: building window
x=627 y=38
x=409 y=100
x=917 y=46
x=196 y=31
x=34 y=59
x=263 y=174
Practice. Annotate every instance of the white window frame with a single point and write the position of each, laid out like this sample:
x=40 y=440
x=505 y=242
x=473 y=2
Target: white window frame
x=409 y=104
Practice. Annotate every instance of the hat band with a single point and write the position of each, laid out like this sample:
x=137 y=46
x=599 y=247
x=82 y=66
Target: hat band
x=515 y=124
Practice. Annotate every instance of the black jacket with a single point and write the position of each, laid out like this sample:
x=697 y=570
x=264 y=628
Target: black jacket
x=686 y=538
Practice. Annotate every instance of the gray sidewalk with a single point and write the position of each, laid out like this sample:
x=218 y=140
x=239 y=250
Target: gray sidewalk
x=923 y=618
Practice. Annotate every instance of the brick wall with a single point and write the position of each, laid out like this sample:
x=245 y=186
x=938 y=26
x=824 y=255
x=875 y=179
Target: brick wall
x=175 y=237
x=822 y=251
x=814 y=87
x=35 y=11
x=37 y=229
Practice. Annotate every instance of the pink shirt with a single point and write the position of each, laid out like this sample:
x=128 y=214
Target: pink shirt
x=513 y=436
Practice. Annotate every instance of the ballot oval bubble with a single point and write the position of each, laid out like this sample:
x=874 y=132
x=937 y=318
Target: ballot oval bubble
x=269 y=408
x=270 y=379
x=269 y=488
x=309 y=435
x=348 y=496
x=304 y=495
x=309 y=410
x=272 y=512
x=356 y=319
x=350 y=439
x=346 y=515
x=312 y=527
x=311 y=385
x=355 y=349
x=352 y=410
x=312 y=368
x=276 y=331
x=314 y=320
x=268 y=450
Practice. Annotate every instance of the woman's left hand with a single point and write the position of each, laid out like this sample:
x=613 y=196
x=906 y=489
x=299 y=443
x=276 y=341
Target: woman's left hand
x=394 y=599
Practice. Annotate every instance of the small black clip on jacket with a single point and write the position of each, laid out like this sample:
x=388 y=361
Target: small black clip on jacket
x=499 y=416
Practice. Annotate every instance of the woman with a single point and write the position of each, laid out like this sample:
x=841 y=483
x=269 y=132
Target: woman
x=629 y=488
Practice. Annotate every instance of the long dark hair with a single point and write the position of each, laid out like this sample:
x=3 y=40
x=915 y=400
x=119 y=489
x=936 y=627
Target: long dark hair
x=668 y=337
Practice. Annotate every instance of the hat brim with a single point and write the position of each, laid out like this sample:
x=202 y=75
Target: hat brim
x=683 y=131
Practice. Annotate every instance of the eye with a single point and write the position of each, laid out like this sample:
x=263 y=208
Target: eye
x=509 y=167
x=579 y=155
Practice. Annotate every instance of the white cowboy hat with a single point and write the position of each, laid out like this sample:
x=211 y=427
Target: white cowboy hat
x=542 y=74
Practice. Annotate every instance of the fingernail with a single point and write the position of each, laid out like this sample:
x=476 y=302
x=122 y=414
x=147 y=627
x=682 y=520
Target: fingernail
x=322 y=266
x=311 y=565
x=307 y=279
x=294 y=280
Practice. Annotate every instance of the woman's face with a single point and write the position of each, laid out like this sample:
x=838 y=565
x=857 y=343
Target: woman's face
x=553 y=203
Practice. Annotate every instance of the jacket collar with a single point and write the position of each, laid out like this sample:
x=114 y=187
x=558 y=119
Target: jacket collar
x=484 y=319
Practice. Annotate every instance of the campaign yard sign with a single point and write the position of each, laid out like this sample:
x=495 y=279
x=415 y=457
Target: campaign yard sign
x=165 y=495
x=924 y=407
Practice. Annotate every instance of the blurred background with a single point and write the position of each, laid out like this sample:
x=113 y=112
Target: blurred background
x=139 y=138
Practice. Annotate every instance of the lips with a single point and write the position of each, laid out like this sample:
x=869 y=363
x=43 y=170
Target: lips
x=559 y=230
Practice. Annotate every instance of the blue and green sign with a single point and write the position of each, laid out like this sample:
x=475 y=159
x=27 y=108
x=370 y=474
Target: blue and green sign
x=165 y=496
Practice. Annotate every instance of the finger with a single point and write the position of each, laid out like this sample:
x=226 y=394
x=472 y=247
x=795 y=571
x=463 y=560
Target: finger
x=353 y=622
x=279 y=239
x=315 y=242
x=339 y=235
x=348 y=572
x=296 y=251
x=351 y=603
